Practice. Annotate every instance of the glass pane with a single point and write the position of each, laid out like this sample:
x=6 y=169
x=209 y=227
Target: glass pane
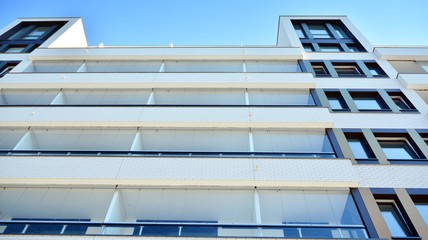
x=398 y=150
x=367 y=103
x=199 y=231
x=423 y=210
x=44 y=228
x=330 y=48
x=318 y=31
x=160 y=231
x=37 y=33
x=280 y=97
x=400 y=103
x=347 y=70
x=358 y=149
x=395 y=223
x=340 y=31
x=15 y=50
x=336 y=103
x=299 y=31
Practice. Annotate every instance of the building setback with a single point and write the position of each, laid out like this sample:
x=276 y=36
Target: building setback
x=320 y=136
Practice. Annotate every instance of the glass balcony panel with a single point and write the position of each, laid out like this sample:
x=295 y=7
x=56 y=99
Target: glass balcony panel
x=27 y=97
x=272 y=66
x=280 y=97
x=203 y=66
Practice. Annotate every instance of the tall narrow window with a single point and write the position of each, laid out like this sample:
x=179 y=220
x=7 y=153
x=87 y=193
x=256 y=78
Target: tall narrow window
x=394 y=219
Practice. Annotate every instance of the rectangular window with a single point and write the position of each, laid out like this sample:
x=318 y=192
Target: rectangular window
x=398 y=149
x=368 y=101
x=319 y=31
x=375 y=69
x=402 y=102
x=329 y=35
x=348 y=70
x=15 y=49
x=37 y=33
x=330 y=48
x=6 y=67
x=320 y=69
x=360 y=147
x=394 y=219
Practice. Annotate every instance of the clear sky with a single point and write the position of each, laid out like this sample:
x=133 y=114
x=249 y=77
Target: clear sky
x=223 y=22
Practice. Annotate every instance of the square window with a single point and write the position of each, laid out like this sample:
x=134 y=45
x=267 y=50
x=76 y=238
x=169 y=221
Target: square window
x=319 y=31
x=339 y=31
x=375 y=69
x=299 y=31
x=398 y=149
x=320 y=70
x=330 y=48
x=336 y=101
x=308 y=47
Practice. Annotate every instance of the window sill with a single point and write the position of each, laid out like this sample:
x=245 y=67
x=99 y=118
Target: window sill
x=410 y=162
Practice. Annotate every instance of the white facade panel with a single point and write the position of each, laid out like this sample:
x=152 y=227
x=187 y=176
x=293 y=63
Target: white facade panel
x=237 y=117
x=159 y=171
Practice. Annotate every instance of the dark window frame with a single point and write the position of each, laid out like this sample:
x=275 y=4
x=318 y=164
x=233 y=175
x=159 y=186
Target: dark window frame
x=397 y=135
x=23 y=29
x=350 y=41
x=7 y=66
x=352 y=135
x=370 y=95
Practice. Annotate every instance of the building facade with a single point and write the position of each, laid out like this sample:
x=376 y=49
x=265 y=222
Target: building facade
x=321 y=136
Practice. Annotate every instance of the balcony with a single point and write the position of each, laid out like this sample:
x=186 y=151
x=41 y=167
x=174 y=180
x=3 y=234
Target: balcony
x=414 y=81
x=141 y=53
x=178 y=212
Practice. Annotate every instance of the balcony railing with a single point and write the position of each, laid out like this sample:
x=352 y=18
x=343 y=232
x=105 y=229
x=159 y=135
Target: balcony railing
x=167 y=154
x=183 y=229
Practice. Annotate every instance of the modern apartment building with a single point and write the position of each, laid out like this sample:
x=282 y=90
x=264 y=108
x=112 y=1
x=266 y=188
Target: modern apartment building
x=321 y=136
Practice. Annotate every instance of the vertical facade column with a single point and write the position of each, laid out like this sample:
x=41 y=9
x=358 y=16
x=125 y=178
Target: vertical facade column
x=413 y=213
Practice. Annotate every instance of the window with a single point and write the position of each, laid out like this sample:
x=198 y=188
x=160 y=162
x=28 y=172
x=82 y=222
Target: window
x=375 y=69
x=368 y=101
x=46 y=228
x=330 y=48
x=423 y=210
x=15 y=49
x=308 y=48
x=320 y=70
x=299 y=31
x=398 y=146
x=318 y=31
x=336 y=101
x=28 y=35
x=6 y=67
x=37 y=33
x=339 y=31
x=394 y=219
x=176 y=230
x=397 y=149
x=359 y=146
x=347 y=70
x=326 y=36
x=401 y=101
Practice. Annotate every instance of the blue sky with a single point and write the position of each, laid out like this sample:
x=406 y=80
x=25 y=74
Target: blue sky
x=223 y=22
